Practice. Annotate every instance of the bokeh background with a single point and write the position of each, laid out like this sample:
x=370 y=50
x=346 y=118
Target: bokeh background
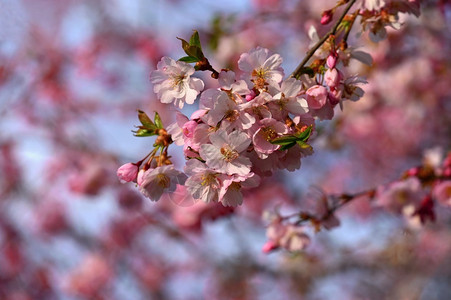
x=73 y=73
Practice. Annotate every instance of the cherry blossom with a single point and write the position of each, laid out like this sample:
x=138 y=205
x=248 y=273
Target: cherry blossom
x=159 y=180
x=203 y=183
x=224 y=154
x=173 y=83
x=261 y=68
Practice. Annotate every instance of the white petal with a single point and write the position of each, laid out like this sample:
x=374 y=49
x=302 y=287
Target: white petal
x=219 y=138
x=239 y=141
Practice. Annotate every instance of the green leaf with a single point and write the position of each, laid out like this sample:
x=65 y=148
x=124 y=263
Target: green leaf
x=192 y=50
x=304 y=145
x=145 y=120
x=158 y=122
x=287 y=146
x=304 y=136
x=194 y=40
x=185 y=45
x=195 y=52
x=189 y=59
x=143 y=132
x=283 y=140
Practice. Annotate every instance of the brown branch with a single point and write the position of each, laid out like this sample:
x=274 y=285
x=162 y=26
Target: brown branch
x=297 y=71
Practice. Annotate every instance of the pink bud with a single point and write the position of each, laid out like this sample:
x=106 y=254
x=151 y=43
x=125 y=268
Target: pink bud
x=332 y=77
x=326 y=16
x=127 y=172
x=188 y=128
x=316 y=96
x=250 y=96
x=413 y=171
x=332 y=60
x=334 y=97
x=447 y=172
x=269 y=246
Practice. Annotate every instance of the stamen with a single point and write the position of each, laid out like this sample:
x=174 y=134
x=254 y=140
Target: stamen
x=163 y=180
x=229 y=154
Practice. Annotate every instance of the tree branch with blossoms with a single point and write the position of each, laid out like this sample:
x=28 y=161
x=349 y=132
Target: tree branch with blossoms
x=300 y=68
x=253 y=122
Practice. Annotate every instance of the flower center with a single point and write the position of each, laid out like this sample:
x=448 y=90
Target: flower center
x=269 y=133
x=231 y=115
x=235 y=186
x=208 y=180
x=177 y=79
x=163 y=180
x=260 y=78
x=229 y=154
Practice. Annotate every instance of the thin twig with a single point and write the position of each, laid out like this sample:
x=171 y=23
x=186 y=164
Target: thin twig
x=312 y=51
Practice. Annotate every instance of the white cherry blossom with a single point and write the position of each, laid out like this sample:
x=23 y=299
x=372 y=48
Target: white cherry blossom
x=173 y=82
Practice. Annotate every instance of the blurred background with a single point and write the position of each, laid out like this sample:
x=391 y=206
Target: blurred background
x=74 y=72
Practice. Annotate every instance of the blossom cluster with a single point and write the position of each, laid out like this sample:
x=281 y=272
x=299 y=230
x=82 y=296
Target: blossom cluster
x=247 y=127
x=418 y=196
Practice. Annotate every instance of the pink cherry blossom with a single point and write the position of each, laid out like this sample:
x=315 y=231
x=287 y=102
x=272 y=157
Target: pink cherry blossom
x=287 y=236
x=230 y=193
x=172 y=82
x=401 y=194
x=203 y=183
x=234 y=88
x=352 y=89
x=159 y=180
x=224 y=152
x=228 y=111
x=286 y=99
x=176 y=129
x=261 y=68
x=294 y=239
x=266 y=131
x=192 y=144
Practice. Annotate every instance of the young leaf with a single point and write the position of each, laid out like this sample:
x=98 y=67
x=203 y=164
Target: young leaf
x=142 y=132
x=287 y=146
x=189 y=59
x=192 y=50
x=304 y=145
x=196 y=52
x=157 y=120
x=194 y=40
x=283 y=140
x=185 y=45
x=145 y=120
x=304 y=136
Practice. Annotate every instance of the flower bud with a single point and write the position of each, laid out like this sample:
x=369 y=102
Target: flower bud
x=413 y=171
x=327 y=16
x=269 y=246
x=332 y=60
x=250 y=96
x=334 y=97
x=127 y=172
x=316 y=96
x=332 y=77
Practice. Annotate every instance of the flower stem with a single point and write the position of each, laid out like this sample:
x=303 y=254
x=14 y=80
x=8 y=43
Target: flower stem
x=297 y=72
